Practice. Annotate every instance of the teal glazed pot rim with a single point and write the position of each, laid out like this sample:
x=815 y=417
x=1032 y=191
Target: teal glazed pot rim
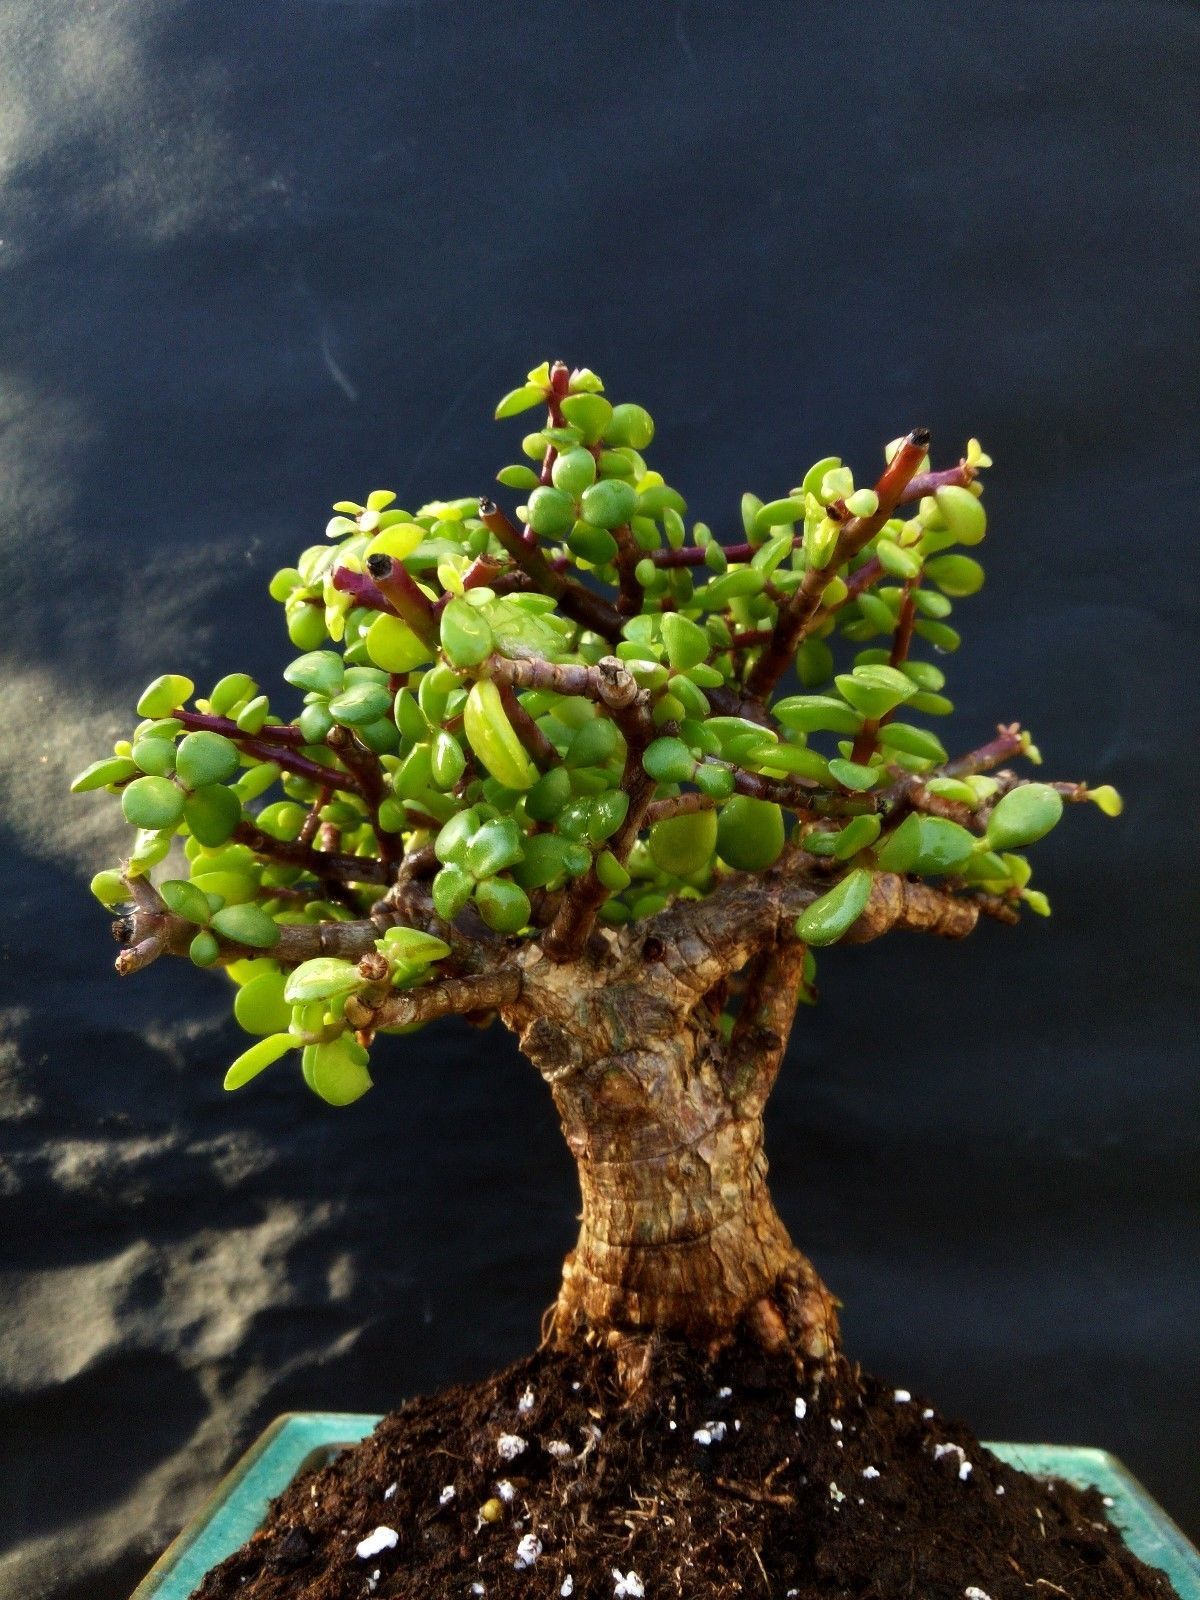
x=306 y=1439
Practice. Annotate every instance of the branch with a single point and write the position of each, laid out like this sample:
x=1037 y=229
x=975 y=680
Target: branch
x=364 y=591
x=151 y=930
x=609 y=682
x=1009 y=741
x=540 y=748
x=867 y=738
x=917 y=487
x=274 y=742
x=576 y=602
x=793 y=792
x=269 y=733
x=910 y=793
x=368 y=773
x=705 y=941
x=481 y=991
x=321 y=863
x=409 y=602
x=300 y=766
x=628 y=556
x=899 y=903
x=797 y=612
x=679 y=805
x=760 y=1034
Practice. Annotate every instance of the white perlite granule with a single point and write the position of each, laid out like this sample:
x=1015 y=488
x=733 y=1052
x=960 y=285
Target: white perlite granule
x=801 y=1409
x=710 y=1433
x=510 y=1445
x=568 y=1586
x=976 y=1594
x=627 y=1586
x=447 y=1495
x=529 y=1549
x=902 y=1397
x=375 y=1543
x=525 y=1403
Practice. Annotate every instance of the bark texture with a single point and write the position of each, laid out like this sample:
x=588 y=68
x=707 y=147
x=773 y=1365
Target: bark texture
x=678 y=1232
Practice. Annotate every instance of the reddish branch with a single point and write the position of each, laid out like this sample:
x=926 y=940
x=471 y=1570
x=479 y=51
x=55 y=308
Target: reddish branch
x=321 y=863
x=270 y=733
x=797 y=612
x=867 y=736
x=371 y=779
x=576 y=602
x=312 y=821
x=628 y=556
x=678 y=805
x=300 y=766
x=400 y=590
x=362 y=589
x=526 y=729
x=1009 y=741
x=921 y=484
x=274 y=742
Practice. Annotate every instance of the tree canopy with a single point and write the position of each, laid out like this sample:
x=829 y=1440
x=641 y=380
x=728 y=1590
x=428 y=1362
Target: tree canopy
x=537 y=724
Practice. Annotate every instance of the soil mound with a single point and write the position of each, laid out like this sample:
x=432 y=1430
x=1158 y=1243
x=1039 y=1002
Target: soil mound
x=564 y=1475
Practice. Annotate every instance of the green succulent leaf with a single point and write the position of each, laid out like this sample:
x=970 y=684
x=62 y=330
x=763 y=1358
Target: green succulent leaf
x=204 y=758
x=185 y=900
x=669 y=760
x=518 y=400
x=246 y=924
x=257 y=1059
x=260 y=1007
x=337 y=1071
x=322 y=978
x=831 y=916
x=101 y=774
x=503 y=905
x=466 y=637
x=152 y=803
x=212 y=813
x=963 y=513
x=926 y=845
x=750 y=833
x=164 y=695
x=1023 y=816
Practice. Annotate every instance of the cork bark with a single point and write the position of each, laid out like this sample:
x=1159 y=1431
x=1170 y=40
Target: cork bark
x=678 y=1232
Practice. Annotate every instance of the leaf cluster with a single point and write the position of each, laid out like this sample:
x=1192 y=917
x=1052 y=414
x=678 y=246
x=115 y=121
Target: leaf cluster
x=451 y=702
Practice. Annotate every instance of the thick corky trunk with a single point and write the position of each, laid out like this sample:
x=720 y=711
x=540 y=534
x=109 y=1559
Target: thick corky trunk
x=678 y=1231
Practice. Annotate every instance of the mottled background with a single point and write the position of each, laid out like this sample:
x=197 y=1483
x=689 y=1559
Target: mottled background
x=258 y=256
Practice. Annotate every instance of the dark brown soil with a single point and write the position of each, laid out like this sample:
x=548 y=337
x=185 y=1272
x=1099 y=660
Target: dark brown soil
x=863 y=1496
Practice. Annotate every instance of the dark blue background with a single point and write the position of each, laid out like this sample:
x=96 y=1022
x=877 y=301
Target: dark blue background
x=256 y=257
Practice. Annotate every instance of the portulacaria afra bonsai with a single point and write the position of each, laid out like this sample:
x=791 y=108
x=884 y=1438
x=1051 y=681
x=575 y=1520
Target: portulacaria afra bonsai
x=612 y=778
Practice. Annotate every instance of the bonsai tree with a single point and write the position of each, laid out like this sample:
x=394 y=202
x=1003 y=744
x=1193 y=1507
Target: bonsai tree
x=573 y=763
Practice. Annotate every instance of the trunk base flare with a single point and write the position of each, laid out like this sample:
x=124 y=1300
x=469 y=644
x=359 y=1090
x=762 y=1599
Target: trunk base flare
x=687 y=1242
